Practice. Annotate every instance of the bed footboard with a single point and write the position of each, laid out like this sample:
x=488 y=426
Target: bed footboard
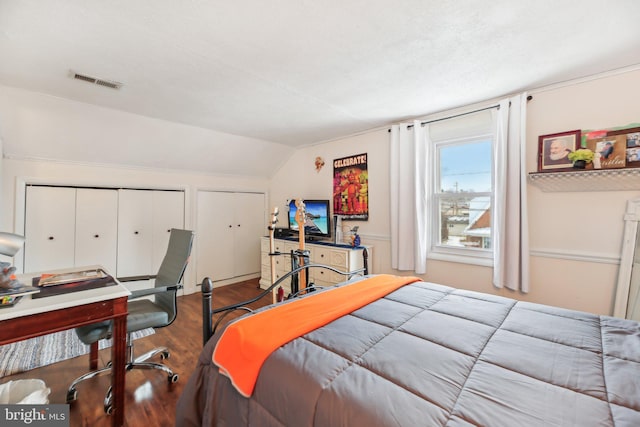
x=208 y=328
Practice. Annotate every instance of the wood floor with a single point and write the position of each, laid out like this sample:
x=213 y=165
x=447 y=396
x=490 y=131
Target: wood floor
x=150 y=399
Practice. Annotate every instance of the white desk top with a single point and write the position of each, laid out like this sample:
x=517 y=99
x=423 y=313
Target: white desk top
x=28 y=306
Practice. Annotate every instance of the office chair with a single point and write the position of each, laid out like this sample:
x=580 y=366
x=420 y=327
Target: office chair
x=143 y=314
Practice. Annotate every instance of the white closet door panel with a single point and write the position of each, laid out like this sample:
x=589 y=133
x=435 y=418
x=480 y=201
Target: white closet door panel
x=96 y=228
x=215 y=236
x=250 y=227
x=135 y=239
x=49 y=228
x=168 y=213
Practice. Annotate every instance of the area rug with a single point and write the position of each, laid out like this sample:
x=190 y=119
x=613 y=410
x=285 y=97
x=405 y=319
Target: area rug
x=45 y=350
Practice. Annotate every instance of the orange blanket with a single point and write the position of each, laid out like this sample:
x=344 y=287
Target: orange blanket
x=246 y=344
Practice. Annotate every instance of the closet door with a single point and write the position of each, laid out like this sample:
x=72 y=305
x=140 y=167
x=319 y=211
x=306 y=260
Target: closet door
x=215 y=241
x=49 y=228
x=168 y=213
x=228 y=234
x=135 y=233
x=96 y=228
x=249 y=228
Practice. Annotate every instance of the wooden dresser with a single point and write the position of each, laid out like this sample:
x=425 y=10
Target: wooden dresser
x=342 y=257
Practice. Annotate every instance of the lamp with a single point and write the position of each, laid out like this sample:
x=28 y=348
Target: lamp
x=10 y=243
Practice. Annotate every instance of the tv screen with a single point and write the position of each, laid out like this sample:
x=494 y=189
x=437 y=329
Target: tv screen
x=317 y=218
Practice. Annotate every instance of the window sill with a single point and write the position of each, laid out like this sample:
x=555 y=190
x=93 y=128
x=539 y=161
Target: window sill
x=461 y=259
x=587 y=180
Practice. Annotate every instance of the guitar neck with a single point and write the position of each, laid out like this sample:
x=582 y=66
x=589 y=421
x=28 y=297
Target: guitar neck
x=272 y=250
x=300 y=219
x=301 y=237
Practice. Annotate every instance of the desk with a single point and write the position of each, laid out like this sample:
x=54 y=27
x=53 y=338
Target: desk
x=34 y=317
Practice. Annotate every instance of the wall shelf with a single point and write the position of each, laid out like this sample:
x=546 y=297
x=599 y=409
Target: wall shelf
x=627 y=179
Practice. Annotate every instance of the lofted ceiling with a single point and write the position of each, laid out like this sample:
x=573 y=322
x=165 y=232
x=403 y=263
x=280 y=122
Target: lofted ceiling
x=298 y=72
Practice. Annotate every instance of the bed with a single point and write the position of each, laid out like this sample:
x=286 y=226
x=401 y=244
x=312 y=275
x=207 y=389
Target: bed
x=427 y=354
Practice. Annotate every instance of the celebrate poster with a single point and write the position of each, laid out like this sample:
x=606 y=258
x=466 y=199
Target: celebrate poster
x=351 y=187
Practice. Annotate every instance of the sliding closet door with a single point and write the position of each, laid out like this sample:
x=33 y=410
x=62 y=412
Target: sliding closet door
x=49 y=228
x=134 y=233
x=96 y=228
x=249 y=227
x=124 y=230
x=228 y=234
x=168 y=213
x=215 y=236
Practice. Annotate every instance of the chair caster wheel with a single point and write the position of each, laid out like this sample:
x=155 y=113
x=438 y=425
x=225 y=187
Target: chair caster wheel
x=108 y=402
x=165 y=355
x=173 y=378
x=72 y=395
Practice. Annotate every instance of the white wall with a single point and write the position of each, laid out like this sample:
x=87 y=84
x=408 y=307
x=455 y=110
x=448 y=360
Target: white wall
x=38 y=126
x=575 y=237
x=299 y=179
x=51 y=140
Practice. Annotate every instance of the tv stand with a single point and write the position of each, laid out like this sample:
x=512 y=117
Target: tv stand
x=343 y=257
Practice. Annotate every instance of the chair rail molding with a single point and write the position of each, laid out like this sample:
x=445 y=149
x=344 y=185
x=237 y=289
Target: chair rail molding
x=592 y=257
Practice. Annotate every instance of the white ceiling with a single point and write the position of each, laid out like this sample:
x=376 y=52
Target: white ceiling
x=296 y=72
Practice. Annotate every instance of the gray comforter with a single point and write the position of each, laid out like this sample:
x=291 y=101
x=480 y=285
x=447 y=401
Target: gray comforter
x=431 y=355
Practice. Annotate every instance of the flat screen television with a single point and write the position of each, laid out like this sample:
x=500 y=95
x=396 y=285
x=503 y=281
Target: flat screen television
x=317 y=219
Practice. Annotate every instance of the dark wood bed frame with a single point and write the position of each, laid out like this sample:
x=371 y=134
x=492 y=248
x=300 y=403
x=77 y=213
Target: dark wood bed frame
x=208 y=328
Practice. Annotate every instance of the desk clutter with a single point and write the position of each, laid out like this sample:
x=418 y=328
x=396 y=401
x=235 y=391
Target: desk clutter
x=11 y=290
x=56 y=284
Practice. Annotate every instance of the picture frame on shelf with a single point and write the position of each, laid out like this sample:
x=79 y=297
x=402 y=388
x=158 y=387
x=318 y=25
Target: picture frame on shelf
x=632 y=145
x=610 y=152
x=553 y=150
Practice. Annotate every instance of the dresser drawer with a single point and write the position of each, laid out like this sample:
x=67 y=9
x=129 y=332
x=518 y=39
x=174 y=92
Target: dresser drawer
x=265 y=259
x=328 y=256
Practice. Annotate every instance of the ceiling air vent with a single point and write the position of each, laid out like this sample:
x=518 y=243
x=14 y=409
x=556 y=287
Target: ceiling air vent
x=97 y=81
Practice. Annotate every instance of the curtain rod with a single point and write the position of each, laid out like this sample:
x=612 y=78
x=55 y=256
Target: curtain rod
x=529 y=98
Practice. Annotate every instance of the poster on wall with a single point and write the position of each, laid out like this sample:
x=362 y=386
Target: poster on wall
x=351 y=187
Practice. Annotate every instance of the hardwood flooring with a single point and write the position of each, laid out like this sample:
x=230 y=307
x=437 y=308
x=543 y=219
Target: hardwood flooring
x=150 y=399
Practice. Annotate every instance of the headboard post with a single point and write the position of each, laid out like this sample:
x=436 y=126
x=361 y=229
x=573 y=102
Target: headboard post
x=207 y=289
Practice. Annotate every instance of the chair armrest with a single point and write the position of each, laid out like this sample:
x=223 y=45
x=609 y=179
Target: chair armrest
x=152 y=291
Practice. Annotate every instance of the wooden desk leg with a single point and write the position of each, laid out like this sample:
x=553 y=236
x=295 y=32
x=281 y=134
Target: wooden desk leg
x=93 y=356
x=118 y=355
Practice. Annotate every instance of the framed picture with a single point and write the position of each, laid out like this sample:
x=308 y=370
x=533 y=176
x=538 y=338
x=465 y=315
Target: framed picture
x=351 y=187
x=553 y=150
x=632 y=145
x=610 y=152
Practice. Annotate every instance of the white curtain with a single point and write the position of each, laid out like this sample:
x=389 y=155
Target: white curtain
x=409 y=180
x=511 y=240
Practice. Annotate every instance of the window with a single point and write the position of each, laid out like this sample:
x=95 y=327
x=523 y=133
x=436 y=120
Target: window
x=462 y=190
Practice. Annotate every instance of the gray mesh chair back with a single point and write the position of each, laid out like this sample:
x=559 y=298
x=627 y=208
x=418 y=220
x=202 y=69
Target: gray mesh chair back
x=143 y=313
x=172 y=268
